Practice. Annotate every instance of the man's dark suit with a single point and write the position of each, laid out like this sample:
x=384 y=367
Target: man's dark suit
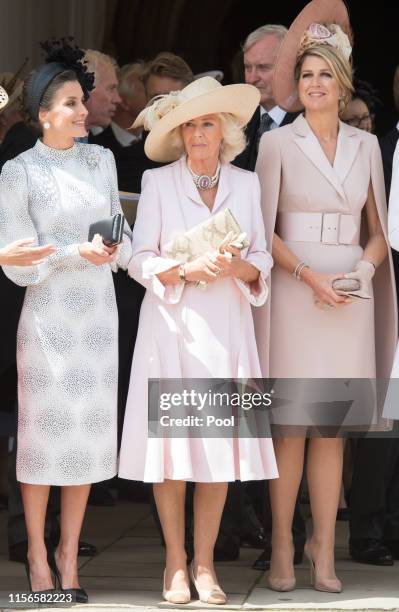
x=374 y=499
x=247 y=159
x=19 y=138
x=388 y=145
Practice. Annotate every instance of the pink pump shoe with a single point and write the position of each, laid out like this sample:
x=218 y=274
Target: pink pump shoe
x=326 y=585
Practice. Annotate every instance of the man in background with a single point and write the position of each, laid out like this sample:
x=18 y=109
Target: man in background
x=260 y=50
x=133 y=99
x=165 y=73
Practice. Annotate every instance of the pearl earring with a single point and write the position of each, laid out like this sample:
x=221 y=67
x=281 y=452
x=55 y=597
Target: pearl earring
x=46 y=125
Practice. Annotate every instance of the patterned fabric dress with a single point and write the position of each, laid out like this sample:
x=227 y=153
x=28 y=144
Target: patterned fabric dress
x=67 y=351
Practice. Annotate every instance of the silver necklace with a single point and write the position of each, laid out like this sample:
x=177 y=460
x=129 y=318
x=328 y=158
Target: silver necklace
x=203 y=181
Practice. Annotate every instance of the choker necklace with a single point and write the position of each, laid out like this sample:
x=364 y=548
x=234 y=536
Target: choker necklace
x=203 y=181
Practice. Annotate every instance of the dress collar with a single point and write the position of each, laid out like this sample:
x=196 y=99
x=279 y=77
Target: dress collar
x=56 y=155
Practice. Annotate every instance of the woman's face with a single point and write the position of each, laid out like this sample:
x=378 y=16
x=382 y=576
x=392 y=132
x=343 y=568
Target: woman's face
x=202 y=137
x=357 y=114
x=318 y=89
x=68 y=112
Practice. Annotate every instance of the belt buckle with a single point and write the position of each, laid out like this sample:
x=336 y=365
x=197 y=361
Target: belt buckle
x=338 y=228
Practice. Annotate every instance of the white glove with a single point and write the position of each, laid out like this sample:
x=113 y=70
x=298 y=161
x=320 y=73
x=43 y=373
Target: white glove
x=364 y=273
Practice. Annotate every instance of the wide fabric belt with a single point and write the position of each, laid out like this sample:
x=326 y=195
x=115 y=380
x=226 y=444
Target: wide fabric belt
x=327 y=228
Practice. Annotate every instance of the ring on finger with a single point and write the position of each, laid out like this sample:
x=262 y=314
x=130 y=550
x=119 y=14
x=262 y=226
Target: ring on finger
x=218 y=270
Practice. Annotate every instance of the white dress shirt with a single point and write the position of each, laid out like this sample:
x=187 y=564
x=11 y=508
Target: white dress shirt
x=276 y=113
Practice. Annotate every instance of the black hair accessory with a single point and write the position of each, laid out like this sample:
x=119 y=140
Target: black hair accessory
x=70 y=56
x=61 y=55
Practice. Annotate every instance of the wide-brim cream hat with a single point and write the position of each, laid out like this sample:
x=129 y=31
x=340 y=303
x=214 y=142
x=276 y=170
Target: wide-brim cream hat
x=3 y=97
x=204 y=96
x=316 y=12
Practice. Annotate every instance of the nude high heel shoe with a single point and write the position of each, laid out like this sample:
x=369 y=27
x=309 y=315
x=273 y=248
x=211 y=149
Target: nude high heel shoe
x=175 y=596
x=326 y=585
x=281 y=584
x=210 y=596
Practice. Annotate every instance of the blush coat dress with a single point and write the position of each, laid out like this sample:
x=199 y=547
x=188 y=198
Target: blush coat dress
x=352 y=342
x=188 y=332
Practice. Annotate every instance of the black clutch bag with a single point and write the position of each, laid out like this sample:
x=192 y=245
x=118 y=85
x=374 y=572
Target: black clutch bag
x=110 y=230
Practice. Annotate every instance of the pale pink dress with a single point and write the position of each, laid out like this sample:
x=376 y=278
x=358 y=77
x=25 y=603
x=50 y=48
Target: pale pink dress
x=187 y=332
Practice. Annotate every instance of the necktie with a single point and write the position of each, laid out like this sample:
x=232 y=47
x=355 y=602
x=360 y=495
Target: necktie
x=264 y=126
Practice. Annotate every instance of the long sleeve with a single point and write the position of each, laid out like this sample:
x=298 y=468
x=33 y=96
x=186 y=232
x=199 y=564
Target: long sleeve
x=16 y=223
x=393 y=209
x=268 y=169
x=146 y=261
x=125 y=252
x=257 y=255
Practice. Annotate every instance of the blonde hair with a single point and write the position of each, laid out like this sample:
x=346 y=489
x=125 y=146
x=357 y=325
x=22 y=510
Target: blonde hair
x=127 y=79
x=340 y=67
x=234 y=141
x=93 y=59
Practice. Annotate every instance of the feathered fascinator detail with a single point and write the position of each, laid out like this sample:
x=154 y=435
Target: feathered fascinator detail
x=157 y=108
x=62 y=51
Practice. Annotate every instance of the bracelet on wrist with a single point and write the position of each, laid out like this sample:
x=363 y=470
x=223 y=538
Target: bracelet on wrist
x=299 y=269
x=182 y=272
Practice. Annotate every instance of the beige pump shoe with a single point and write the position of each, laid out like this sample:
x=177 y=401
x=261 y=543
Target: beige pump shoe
x=326 y=585
x=210 y=596
x=281 y=584
x=176 y=596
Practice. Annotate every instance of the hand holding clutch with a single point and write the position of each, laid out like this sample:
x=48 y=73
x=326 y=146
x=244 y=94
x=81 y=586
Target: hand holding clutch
x=211 y=235
x=363 y=273
x=110 y=229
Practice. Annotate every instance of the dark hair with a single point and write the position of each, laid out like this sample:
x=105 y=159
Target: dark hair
x=169 y=65
x=68 y=76
x=61 y=57
x=368 y=94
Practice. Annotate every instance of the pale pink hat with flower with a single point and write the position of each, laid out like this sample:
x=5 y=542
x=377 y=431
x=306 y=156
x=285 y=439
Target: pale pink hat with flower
x=320 y=22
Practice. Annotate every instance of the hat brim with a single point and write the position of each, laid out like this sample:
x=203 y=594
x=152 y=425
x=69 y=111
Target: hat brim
x=317 y=11
x=3 y=97
x=240 y=100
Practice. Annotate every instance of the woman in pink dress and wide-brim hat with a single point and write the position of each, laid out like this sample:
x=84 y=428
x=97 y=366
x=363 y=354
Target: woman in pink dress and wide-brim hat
x=189 y=332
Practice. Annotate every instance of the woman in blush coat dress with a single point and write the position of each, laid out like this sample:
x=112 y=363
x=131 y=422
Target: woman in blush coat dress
x=187 y=332
x=321 y=182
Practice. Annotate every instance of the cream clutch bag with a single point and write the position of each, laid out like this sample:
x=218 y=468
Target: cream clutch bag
x=211 y=235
